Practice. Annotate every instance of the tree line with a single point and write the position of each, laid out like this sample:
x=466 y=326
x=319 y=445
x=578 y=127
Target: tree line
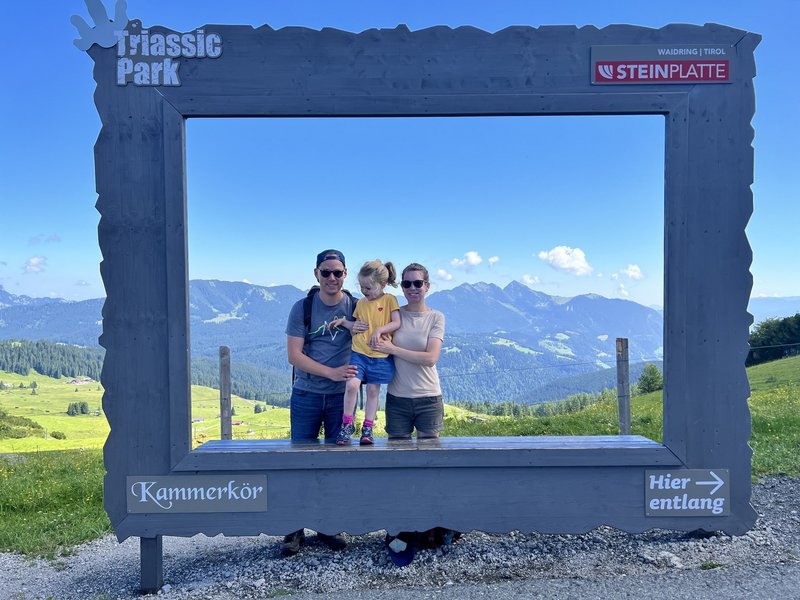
x=247 y=381
x=650 y=380
x=78 y=408
x=63 y=360
x=50 y=358
x=573 y=403
x=773 y=339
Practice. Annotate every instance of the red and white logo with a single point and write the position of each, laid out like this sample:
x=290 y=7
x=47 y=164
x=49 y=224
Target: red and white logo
x=661 y=71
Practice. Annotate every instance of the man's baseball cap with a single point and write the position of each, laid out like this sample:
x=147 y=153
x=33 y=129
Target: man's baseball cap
x=330 y=255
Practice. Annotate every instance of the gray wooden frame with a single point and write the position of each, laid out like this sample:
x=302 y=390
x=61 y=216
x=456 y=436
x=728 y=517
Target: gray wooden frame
x=560 y=485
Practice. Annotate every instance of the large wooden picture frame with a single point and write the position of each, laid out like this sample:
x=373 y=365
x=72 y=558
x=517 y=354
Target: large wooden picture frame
x=559 y=485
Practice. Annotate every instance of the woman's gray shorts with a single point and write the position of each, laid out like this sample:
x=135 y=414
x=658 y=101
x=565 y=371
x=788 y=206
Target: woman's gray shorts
x=404 y=414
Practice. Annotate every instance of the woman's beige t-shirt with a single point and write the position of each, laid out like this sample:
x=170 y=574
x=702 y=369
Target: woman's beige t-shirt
x=413 y=380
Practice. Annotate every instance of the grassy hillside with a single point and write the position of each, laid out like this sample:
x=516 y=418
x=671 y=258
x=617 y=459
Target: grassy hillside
x=775 y=410
x=774 y=405
x=48 y=408
x=770 y=375
x=47 y=519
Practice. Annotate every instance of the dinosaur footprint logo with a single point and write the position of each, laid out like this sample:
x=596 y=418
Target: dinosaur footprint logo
x=104 y=32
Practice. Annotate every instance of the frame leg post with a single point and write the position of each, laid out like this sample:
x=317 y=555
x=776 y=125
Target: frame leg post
x=152 y=564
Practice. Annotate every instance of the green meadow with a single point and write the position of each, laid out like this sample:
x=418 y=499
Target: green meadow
x=774 y=406
x=48 y=407
x=50 y=501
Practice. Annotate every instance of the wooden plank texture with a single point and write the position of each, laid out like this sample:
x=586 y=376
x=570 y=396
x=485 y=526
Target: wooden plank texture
x=444 y=452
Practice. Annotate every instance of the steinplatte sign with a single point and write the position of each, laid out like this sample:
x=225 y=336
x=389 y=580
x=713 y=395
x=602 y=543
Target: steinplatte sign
x=687 y=493
x=689 y=63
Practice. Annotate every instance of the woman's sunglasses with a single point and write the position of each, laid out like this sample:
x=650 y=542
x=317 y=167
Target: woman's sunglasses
x=418 y=283
x=325 y=273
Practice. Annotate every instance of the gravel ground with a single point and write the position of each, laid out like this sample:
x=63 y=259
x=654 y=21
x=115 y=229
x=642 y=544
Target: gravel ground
x=605 y=563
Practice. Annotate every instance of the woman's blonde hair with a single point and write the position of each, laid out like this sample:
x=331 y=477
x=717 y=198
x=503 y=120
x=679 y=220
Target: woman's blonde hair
x=381 y=273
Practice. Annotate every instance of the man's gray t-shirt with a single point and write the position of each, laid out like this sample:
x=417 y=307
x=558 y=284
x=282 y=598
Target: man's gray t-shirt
x=330 y=348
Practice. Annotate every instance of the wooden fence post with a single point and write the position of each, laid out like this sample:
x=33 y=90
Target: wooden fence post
x=623 y=387
x=226 y=430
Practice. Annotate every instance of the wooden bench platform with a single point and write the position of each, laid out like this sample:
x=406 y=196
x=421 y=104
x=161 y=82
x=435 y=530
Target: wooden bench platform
x=521 y=451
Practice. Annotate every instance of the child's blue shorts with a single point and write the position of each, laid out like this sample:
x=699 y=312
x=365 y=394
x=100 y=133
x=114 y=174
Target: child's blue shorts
x=373 y=370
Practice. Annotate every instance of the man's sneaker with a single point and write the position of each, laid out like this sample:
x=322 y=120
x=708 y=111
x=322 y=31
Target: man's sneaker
x=292 y=542
x=334 y=542
x=345 y=433
x=366 y=436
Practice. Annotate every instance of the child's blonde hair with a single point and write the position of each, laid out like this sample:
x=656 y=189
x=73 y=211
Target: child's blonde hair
x=378 y=272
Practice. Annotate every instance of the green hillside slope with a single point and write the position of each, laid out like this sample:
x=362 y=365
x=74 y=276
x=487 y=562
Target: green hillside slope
x=774 y=405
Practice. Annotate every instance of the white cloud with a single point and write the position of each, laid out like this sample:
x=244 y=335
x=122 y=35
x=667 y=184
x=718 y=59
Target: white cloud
x=443 y=275
x=471 y=259
x=530 y=279
x=82 y=283
x=633 y=271
x=564 y=258
x=622 y=291
x=35 y=264
x=247 y=281
x=493 y=260
x=615 y=276
x=47 y=239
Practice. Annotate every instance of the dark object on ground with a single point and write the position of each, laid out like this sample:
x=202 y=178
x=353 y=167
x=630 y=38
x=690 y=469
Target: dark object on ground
x=334 y=542
x=292 y=542
x=402 y=547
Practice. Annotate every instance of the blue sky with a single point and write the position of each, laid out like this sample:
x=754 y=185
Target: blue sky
x=539 y=200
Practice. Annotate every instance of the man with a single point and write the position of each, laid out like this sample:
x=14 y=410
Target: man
x=321 y=359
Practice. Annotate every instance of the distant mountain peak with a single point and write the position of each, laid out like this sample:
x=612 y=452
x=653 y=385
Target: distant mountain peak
x=480 y=286
x=517 y=288
x=8 y=299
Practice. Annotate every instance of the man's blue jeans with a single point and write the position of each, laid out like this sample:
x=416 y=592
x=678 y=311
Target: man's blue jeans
x=308 y=412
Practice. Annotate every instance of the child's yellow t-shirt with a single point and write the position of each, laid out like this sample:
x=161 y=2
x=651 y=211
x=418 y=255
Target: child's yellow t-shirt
x=376 y=313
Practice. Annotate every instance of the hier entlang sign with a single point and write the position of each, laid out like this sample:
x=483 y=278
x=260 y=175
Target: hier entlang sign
x=688 y=64
x=687 y=493
x=197 y=494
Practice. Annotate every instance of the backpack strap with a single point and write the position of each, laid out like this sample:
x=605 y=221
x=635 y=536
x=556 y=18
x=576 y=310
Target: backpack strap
x=309 y=300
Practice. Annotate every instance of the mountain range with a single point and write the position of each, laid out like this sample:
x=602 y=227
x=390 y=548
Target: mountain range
x=510 y=343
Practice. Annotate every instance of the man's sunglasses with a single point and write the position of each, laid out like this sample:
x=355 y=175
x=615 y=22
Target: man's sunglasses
x=417 y=283
x=325 y=273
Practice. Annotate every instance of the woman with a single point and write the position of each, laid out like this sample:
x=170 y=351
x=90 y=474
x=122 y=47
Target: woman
x=414 y=397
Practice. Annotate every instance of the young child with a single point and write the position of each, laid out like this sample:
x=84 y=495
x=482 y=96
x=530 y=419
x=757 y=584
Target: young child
x=382 y=314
